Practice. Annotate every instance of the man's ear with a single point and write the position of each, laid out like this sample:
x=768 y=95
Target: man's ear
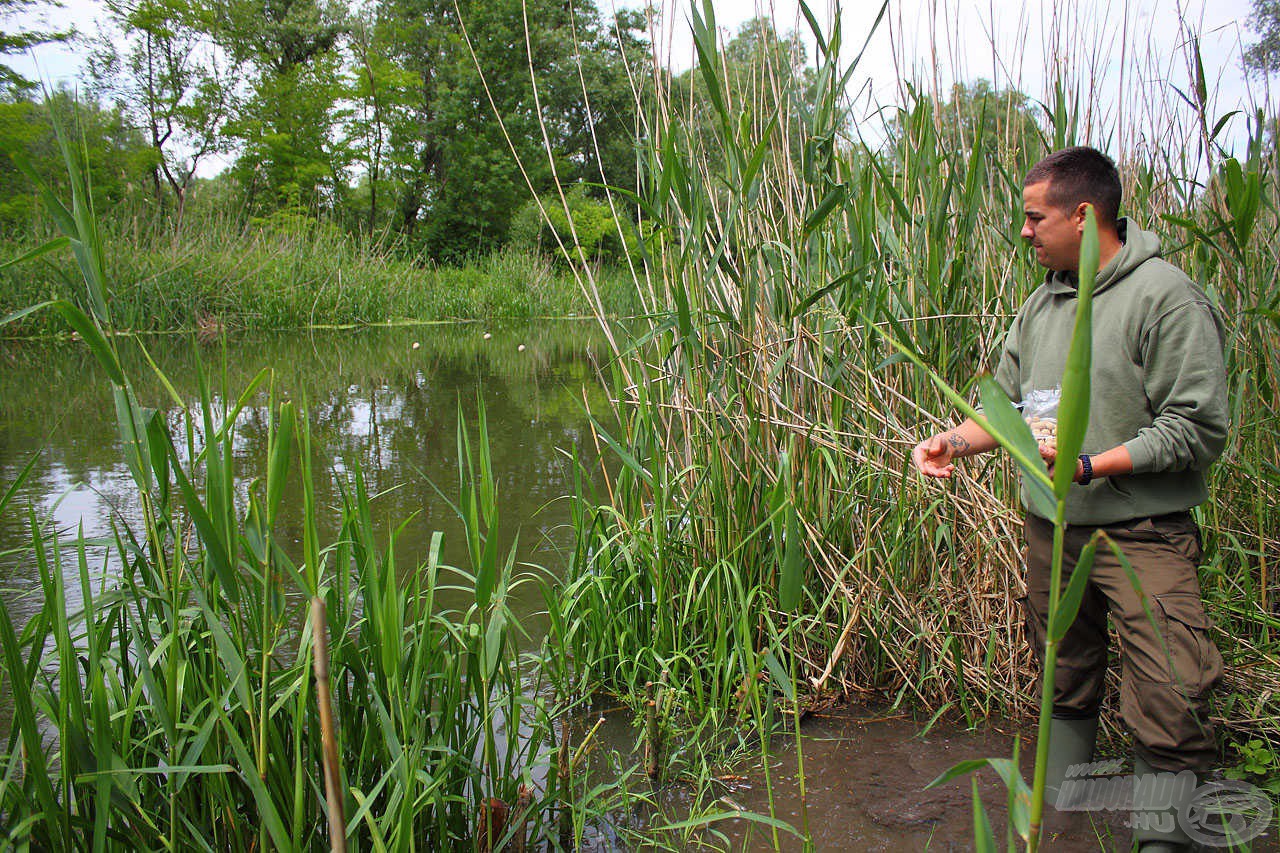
x=1079 y=215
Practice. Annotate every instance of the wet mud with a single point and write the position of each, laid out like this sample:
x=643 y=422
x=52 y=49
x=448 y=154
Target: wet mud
x=865 y=777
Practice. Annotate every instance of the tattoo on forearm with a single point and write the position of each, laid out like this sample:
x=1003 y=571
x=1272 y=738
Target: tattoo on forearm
x=958 y=443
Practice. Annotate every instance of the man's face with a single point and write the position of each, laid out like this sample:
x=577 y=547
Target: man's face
x=1054 y=233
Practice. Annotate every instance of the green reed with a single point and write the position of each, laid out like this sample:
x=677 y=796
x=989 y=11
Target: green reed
x=176 y=708
x=786 y=256
x=294 y=273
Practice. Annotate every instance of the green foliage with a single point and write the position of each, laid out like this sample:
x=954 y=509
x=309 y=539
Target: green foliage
x=1256 y=762
x=153 y=58
x=762 y=75
x=400 y=117
x=119 y=159
x=16 y=41
x=1001 y=124
x=590 y=233
x=450 y=160
x=290 y=271
x=197 y=722
x=288 y=49
x=1264 y=55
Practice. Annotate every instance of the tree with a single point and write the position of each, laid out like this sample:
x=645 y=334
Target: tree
x=17 y=40
x=458 y=183
x=381 y=90
x=154 y=57
x=118 y=156
x=1264 y=56
x=286 y=116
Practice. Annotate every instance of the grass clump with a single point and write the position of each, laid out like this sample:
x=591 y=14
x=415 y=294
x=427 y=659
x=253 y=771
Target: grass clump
x=295 y=273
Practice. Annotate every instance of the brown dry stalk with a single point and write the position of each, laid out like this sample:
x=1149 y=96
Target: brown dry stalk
x=329 y=741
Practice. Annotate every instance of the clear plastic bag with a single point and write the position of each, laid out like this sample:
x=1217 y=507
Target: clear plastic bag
x=1040 y=411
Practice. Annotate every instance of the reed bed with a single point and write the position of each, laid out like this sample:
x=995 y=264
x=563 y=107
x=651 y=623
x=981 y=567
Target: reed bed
x=763 y=427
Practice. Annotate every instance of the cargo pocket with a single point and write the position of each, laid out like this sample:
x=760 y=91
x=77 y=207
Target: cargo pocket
x=1196 y=663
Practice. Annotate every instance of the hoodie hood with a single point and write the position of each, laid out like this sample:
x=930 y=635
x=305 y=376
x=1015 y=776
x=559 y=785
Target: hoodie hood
x=1137 y=247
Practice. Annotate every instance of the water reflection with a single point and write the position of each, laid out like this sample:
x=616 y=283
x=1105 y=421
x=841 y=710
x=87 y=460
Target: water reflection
x=385 y=399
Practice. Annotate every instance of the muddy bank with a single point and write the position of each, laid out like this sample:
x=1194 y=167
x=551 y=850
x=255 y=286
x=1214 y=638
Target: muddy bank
x=865 y=776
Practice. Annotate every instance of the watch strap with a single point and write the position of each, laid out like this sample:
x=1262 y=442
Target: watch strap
x=1086 y=465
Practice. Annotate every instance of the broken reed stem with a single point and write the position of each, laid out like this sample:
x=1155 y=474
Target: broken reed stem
x=332 y=778
x=562 y=783
x=524 y=802
x=652 y=753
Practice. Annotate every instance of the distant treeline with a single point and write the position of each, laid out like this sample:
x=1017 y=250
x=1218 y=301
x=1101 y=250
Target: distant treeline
x=373 y=114
x=377 y=117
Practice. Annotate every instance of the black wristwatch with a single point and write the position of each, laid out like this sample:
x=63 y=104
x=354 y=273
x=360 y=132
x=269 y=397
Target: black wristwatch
x=1086 y=475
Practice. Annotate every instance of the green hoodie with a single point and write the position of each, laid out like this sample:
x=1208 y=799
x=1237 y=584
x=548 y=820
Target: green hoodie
x=1159 y=381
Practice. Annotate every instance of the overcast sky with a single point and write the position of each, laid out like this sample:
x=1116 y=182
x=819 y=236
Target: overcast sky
x=945 y=40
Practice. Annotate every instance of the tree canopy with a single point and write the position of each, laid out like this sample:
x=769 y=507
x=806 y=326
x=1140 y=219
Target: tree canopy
x=382 y=116
x=1264 y=55
x=16 y=39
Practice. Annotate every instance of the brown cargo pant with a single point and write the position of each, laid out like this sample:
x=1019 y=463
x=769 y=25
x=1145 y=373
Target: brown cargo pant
x=1168 y=662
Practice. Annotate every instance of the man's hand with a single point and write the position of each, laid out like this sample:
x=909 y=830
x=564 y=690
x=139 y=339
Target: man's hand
x=1049 y=453
x=932 y=457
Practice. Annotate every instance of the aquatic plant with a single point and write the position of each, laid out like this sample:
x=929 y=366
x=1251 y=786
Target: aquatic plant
x=762 y=419
x=234 y=685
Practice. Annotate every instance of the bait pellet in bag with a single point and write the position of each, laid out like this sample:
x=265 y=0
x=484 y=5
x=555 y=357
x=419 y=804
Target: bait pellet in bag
x=1040 y=411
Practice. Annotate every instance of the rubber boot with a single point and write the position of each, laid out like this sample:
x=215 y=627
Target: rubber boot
x=1158 y=797
x=1070 y=743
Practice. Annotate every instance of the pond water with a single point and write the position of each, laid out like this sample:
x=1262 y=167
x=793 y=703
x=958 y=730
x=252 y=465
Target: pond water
x=385 y=399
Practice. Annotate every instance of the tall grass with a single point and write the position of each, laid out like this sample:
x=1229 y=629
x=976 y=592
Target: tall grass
x=763 y=425
x=291 y=273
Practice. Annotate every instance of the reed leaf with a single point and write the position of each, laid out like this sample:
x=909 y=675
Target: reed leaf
x=984 y=840
x=1006 y=425
x=1062 y=618
x=1073 y=410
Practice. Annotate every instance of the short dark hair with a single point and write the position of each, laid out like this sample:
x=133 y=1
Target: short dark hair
x=1080 y=174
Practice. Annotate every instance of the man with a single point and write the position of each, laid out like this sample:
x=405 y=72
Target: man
x=1157 y=419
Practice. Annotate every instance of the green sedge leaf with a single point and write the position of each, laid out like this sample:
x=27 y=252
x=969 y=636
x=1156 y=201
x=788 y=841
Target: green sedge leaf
x=89 y=331
x=1060 y=620
x=958 y=770
x=1073 y=410
x=278 y=466
x=1006 y=426
x=52 y=246
x=791 y=584
x=779 y=675
x=984 y=840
